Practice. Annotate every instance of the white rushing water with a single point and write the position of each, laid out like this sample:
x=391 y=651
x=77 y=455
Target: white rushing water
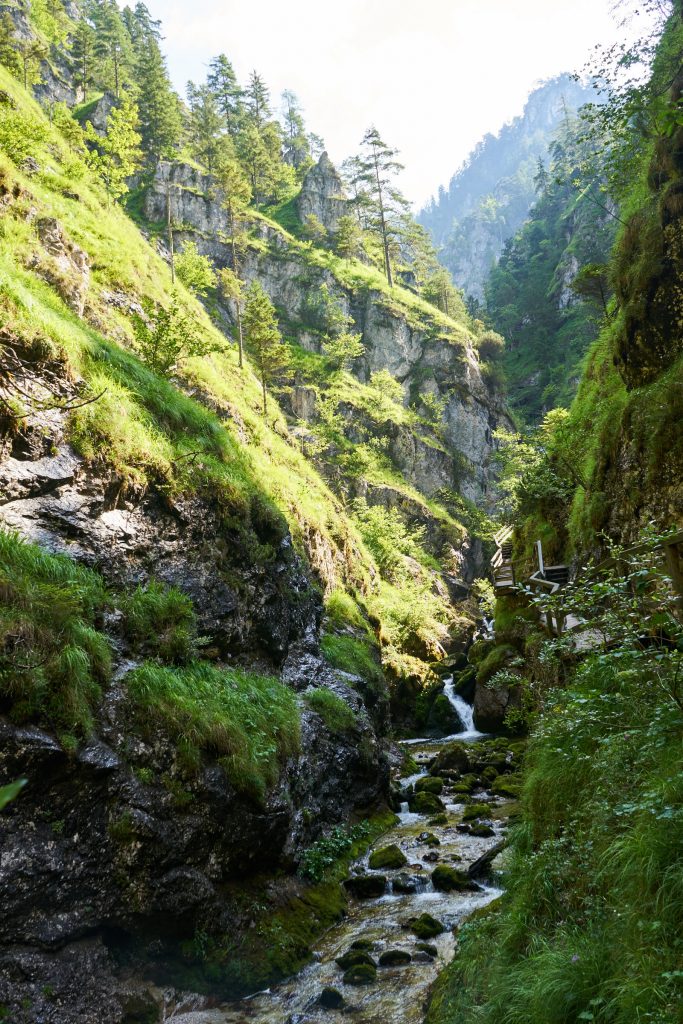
x=464 y=711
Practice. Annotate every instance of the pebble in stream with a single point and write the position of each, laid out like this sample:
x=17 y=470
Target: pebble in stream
x=396 y=991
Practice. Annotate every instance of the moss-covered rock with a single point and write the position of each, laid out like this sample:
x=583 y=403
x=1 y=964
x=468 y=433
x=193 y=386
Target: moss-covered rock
x=405 y=883
x=388 y=858
x=361 y=974
x=429 y=839
x=425 y=926
x=507 y=785
x=452 y=756
x=439 y=819
x=331 y=999
x=366 y=887
x=363 y=944
x=481 y=831
x=425 y=947
x=476 y=811
x=425 y=803
x=447 y=879
x=429 y=784
x=395 y=958
x=354 y=958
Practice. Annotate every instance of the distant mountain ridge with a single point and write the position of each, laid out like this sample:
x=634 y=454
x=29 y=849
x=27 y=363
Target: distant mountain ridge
x=489 y=198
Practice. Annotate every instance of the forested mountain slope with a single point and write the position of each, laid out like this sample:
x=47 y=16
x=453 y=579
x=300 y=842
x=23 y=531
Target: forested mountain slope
x=219 y=567
x=488 y=199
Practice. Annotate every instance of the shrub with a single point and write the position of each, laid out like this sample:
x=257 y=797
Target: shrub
x=194 y=270
x=491 y=346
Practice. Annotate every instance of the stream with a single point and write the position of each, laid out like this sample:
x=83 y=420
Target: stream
x=399 y=993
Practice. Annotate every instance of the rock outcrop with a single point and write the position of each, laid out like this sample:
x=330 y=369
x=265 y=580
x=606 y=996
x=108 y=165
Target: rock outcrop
x=322 y=195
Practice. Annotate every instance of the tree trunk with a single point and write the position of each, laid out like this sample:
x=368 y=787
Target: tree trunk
x=383 y=226
x=265 y=398
x=233 y=252
x=169 y=226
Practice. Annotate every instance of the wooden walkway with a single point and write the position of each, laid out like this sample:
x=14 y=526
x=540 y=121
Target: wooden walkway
x=549 y=579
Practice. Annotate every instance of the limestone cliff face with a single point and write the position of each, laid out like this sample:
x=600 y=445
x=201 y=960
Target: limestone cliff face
x=322 y=195
x=411 y=345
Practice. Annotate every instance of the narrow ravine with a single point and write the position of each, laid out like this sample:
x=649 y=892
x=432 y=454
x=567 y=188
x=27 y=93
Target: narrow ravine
x=385 y=924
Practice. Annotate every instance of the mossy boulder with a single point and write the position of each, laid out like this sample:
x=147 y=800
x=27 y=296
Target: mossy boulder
x=363 y=944
x=331 y=999
x=354 y=958
x=425 y=926
x=361 y=974
x=443 y=719
x=507 y=785
x=429 y=839
x=481 y=831
x=440 y=819
x=395 y=958
x=476 y=811
x=454 y=756
x=388 y=858
x=425 y=947
x=429 y=784
x=366 y=887
x=447 y=879
x=425 y=803
x=405 y=883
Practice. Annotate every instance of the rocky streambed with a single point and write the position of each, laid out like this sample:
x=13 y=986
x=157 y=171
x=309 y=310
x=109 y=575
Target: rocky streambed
x=407 y=895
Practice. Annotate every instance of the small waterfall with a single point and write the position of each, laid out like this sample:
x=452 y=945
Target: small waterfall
x=404 y=807
x=463 y=710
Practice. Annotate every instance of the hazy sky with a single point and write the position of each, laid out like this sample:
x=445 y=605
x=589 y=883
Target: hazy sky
x=433 y=75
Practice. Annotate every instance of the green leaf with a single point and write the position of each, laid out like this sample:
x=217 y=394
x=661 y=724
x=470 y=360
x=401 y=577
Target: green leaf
x=8 y=793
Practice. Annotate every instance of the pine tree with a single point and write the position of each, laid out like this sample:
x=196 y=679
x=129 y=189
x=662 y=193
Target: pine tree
x=204 y=123
x=113 y=47
x=116 y=155
x=159 y=107
x=83 y=53
x=269 y=354
x=376 y=169
x=297 y=150
x=236 y=196
x=258 y=99
x=222 y=82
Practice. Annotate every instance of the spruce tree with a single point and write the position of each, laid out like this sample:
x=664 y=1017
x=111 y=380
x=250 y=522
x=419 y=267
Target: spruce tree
x=159 y=108
x=9 y=55
x=258 y=99
x=269 y=354
x=204 y=123
x=297 y=150
x=83 y=54
x=227 y=94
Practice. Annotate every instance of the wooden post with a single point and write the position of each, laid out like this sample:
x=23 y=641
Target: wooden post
x=539 y=552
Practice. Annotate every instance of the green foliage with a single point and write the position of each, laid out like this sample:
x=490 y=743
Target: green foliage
x=11 y=792
x=270 y=355
x=335 y=713
x=20 y=134
x=196 y=271
x=325 y=852
x=116 y=156
x=161 y=620
x=167 y=336
x=343 y=611
x=352 y=655
x=343 y=349
x=251 y=723
x=53 y=660
x=589 y=926
x=386 y=534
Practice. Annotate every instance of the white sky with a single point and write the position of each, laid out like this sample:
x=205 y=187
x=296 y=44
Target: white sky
x=433 y=75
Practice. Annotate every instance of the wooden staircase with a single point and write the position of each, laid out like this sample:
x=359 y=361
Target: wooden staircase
x=501 y=564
